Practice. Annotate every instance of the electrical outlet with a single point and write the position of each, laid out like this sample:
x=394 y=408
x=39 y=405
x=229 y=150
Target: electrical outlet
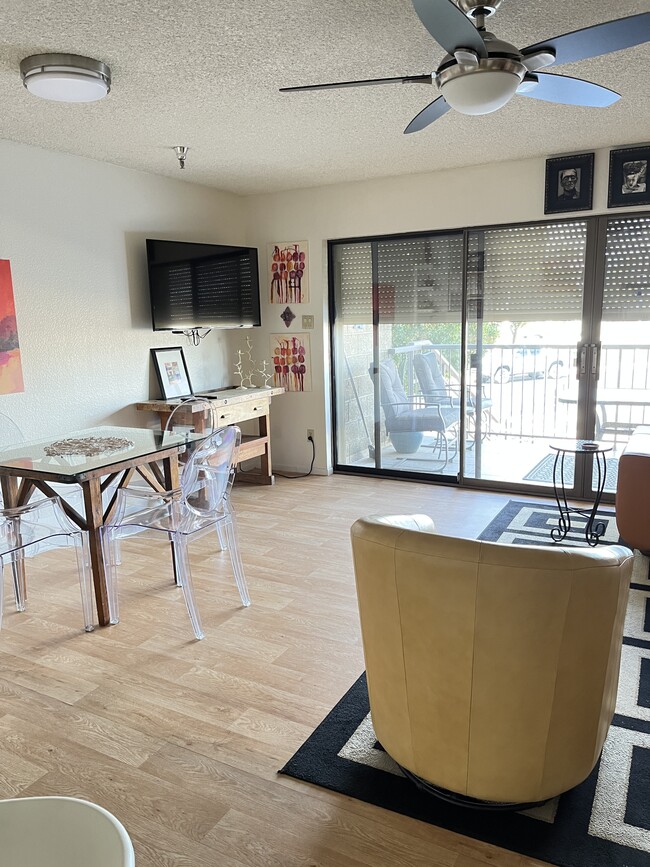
x=310 y=433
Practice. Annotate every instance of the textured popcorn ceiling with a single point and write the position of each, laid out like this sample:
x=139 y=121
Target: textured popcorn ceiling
x=205 y=74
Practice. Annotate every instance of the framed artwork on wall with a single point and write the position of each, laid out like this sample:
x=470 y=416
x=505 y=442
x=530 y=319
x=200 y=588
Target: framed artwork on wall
x=628 y=177
x=11 y=370
x=172 y=373
x=569 y=184
x=291 y=361
x=288 y=274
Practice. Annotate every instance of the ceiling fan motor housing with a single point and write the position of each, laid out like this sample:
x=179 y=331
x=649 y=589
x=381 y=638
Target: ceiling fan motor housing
x=480 y=85
x=474 y=8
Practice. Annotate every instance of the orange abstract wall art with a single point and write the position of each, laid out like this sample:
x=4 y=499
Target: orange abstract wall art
x=11 y=370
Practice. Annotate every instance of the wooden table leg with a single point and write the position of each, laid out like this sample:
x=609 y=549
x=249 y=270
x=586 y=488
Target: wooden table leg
x=10 y=489
x=266 y=468
x=172 y=481
x=92 y=494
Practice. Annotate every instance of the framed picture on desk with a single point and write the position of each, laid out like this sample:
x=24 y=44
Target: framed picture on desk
x=172 y=373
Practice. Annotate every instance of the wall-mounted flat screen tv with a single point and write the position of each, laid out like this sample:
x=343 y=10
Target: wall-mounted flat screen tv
x=202 y=285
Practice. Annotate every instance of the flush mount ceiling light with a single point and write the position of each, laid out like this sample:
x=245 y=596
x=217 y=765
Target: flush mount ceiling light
x=66 y=77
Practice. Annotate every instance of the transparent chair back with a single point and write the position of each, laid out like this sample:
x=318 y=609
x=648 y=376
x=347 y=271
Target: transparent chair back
x=32 y=529
x=10 y=433
x=201 y=503
x=203 y=419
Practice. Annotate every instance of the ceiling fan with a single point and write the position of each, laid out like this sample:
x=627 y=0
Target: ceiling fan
x=481 y=73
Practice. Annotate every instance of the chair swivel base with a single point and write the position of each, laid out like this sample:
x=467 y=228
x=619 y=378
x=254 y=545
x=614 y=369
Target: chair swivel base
x=463 y=800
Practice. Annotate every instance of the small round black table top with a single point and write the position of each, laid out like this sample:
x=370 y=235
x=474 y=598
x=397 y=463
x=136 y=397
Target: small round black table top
x=581 y=447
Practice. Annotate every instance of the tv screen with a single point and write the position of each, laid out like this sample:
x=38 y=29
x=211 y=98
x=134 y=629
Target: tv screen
x=202 y=285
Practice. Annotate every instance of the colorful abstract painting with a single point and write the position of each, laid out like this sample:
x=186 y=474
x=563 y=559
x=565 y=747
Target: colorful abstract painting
x=288 y=273
x=291 y=361
x=11 y=370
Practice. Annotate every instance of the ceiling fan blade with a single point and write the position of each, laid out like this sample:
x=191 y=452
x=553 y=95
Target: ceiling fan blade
x=567 y=90
x=597 y=40
x=403 y=79
x=450 y=27
x=432 y=112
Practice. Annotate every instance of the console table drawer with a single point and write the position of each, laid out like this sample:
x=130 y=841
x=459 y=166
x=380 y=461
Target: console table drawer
x=235 y=413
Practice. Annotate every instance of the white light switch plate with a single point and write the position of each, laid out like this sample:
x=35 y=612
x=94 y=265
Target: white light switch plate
x=307 y=321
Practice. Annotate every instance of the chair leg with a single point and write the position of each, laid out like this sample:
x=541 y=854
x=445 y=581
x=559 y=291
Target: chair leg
x=18 y=575
x=109 y=544
x=18 y=565
x=184 y=573
x=2 y=589
x=223 y=542
x=82 y=550
x=235 y=559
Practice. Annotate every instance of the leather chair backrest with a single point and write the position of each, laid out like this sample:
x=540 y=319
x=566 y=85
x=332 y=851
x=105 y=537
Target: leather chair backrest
x=492 y=669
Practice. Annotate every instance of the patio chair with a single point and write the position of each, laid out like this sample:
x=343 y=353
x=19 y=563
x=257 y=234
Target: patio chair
x=405 y=417
x=200 y=504
x=434 y=385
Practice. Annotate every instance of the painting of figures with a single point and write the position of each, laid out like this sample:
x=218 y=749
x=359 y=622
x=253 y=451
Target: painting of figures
x=291 y=361
x=288 y=274
x=11 y=371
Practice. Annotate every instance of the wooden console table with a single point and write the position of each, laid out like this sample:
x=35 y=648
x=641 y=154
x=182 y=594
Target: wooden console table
x=232 y=406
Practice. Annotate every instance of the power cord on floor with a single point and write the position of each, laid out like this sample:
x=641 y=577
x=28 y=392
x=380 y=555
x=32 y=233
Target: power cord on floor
x=311 y=467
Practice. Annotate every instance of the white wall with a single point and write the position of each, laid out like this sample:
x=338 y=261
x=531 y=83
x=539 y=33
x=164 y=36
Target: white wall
x=509 y=192
x=74 y=232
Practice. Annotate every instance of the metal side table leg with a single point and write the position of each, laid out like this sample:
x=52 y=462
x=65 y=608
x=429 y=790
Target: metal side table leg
x=559 y=533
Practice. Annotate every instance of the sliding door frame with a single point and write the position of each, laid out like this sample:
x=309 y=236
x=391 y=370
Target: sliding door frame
x=592 y=300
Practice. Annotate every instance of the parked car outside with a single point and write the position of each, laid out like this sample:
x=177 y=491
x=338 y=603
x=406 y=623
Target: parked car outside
x=502 y=364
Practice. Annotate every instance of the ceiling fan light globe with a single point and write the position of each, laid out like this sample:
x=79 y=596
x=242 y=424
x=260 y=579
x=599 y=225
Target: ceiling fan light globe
x=482 y=92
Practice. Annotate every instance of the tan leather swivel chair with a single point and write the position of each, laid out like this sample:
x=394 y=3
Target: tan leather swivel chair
x=492 y=669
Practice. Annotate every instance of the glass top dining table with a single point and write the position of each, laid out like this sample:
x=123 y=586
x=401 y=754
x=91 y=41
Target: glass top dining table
x=85 y=458
x=65 y=458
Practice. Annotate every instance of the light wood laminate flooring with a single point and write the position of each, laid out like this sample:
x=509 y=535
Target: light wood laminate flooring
x=182 y=739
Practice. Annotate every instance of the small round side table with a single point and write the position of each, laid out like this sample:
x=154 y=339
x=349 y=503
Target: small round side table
x=593 y=531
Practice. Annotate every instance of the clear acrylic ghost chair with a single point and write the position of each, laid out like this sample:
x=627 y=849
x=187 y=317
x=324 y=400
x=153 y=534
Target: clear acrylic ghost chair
x=201 y=503
x=10 y=433
x=61 y=832
x=37 y=527
x=192 y=413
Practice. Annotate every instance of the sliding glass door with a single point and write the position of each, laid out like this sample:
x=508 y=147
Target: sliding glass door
x=525 y=302
x=468 y=355
x=397 y=326
x=619 y=353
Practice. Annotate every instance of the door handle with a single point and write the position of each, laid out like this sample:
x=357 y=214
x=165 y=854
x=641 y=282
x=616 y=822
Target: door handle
x=595 y=359
x=582 y=360
x=593 y=350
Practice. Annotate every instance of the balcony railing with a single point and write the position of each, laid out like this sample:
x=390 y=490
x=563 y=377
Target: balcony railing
x=527 y=386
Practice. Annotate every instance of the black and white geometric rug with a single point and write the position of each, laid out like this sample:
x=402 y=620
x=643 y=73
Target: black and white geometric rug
x=604 y=822
x=543 y=471
x=522 y=523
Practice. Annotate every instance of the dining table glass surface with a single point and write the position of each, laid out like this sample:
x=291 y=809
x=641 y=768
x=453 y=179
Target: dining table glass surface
x=66 y=455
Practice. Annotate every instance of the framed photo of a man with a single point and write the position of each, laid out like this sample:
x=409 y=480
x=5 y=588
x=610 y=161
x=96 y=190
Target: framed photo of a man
x=628 y=177
x=569 y=184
